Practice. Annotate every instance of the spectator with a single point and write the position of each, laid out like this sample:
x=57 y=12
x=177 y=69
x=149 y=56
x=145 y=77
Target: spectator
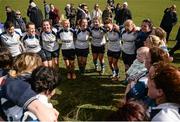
x=68 y=11
x=19 y=22
x=139 y=89
x=118 y=14
x=83 y=13
x=107 y=13
x=177 y=45
x=164 y=87
x=35 y=15
x=111 y=4
x=46 y=9
x=10 y=14
x=169 y=20
x=72 y=17
x=126 y=13
x=130 y=111
x=20 y=93
x=44 y=87
x=24 y=64
x=96 y=12
x=54 y=15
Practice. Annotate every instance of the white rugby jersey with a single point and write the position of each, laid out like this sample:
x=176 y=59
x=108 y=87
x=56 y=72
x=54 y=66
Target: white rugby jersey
x=49 y=41
x=67 y=39
x=31 y=43
x=82 y=39
x=13 y=43
x=114 y=43
x=98 y=36
x=128 y=42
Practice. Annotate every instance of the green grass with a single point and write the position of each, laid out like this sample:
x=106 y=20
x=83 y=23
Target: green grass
x=93 y=97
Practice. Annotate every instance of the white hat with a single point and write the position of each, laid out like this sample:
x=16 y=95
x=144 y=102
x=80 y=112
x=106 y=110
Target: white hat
x=68 y=5
x=125 y=3
x=33 y=4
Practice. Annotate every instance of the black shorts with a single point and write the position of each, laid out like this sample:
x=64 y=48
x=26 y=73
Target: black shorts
x=113 y=54
x=128 y=58
x=82 y=52
x=49 y=55
x=42 y=55
x=68 y=54
x=96 y=49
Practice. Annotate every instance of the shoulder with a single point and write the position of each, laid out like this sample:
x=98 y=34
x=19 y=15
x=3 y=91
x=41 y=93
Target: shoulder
x=167 y=114
x=3 y=33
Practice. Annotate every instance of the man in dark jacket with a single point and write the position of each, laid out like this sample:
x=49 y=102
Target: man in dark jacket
x=177 y=45
x=126 y=13
x=19 y=22
x=35 y=15
x=169 y=20
x=72 y=18
x=10 y=14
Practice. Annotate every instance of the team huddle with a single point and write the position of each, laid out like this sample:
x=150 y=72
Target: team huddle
x=30 y=61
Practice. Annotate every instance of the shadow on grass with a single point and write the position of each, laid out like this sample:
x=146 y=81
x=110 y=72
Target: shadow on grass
x=93 y=92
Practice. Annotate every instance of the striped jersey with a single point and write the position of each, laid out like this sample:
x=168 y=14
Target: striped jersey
x=67 y=38
x=49 y=41
x=98 y=36
x=31 y=43
x=12 y=42
x=128 y=41
x=114 y=43
x=82 y=39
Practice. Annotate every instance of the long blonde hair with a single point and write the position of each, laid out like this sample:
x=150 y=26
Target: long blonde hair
x=26 y=62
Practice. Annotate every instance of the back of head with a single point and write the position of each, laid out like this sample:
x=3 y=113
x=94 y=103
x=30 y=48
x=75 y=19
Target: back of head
x=173 y=7
x=130 y=111
x=8 y=25
x=154 y=41
x=167 y=78
x=125 y=5
x=32 y=4
x=143 y=50
x=26 y=62
x=44 y=79
x=157 y=54
x=160 y=33
x=6 y=58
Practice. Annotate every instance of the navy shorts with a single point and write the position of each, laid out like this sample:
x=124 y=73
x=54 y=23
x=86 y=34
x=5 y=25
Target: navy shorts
x=96 y=49
x=68 y=54
x=82 y=52
x=113 y=54
x=128 y=58
x=49 y=55
x=42 y=55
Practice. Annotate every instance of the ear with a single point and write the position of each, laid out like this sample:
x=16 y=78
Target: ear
x=160 y=93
